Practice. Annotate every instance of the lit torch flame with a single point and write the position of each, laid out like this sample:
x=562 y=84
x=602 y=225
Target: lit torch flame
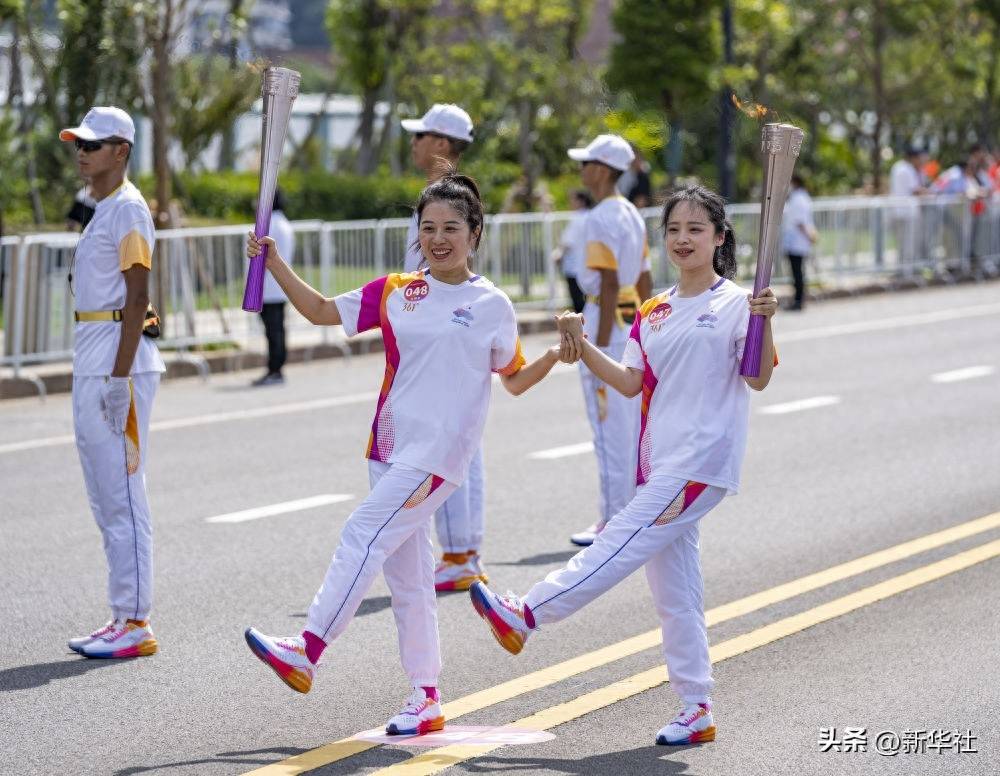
x=753 y=110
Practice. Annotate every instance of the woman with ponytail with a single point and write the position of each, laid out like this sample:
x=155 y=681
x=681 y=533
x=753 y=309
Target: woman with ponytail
x=446 y=331
x=683 y=355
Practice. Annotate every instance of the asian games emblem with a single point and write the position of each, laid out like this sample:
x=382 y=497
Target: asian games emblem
x=659 y=314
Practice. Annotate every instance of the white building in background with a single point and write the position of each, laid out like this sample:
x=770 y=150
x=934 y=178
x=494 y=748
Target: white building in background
x=336 y=131
x=269 y=27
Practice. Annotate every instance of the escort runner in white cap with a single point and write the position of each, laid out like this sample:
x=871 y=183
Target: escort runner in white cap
x=442 y=135
x=616 y=279
x=116 y=371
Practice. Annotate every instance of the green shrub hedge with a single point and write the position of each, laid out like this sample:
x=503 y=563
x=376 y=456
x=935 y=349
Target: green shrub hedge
x=230 y=195
x=320 y=195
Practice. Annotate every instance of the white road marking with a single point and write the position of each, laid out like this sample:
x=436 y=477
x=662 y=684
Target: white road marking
x=820 y=332
x=899 y=322
x=801 y=404
x=283 y=508
x=969 y=373
x=563 y=452
x=207 y=420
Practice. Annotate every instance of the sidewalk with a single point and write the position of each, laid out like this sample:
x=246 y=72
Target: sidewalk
x=312 y=343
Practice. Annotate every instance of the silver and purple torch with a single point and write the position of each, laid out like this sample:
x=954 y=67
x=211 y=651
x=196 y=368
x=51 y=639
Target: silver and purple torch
x=780 y=145
x=279 y=90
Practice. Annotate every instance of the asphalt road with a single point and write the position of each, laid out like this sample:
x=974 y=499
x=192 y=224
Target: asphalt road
x=881 y=426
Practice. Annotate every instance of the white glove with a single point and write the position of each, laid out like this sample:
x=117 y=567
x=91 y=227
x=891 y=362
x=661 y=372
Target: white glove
x=116 y=397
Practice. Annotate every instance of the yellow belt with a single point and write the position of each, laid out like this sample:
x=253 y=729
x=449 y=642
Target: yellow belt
x=628 y=304
x=97 y=315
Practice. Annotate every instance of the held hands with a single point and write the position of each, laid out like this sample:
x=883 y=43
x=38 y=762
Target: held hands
x=116 y=397
x=257 y=246
x=766 y=304
x=570 y=337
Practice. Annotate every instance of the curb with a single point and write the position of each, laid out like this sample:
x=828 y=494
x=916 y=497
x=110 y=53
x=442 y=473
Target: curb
x=222 y=361
x=371 y=342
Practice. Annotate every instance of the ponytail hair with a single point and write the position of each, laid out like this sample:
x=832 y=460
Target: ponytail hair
x=724 y=260
x=461 y=193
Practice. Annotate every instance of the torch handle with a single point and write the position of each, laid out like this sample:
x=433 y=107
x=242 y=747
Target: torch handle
x=253 y=294
x=750 y=365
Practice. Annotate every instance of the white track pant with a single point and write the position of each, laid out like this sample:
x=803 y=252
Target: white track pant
x=459 y=521
x=658 y=528
x=614 y=422
x=117 y=499
x=390 y=532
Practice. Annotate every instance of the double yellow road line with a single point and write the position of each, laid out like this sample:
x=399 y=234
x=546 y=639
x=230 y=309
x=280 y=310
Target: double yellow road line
x=445 y=757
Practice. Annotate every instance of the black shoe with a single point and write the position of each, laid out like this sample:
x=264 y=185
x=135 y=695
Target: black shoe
x=271 y=378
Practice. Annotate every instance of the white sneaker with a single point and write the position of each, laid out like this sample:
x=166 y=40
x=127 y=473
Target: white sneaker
x=504 y=614
x=420 y=715
x=694 y=725
x=586 y=538
x=81 y=641
x=122 y=639
x=452 y=575
x=286 y=656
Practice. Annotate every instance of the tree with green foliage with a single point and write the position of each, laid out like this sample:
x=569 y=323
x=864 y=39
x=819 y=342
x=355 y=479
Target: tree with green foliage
x=372 y=43
x=666 y=58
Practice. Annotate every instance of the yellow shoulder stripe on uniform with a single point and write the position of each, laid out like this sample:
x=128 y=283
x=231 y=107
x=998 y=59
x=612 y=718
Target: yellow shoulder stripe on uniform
x=650 y=304
x=600 y=256
x=132 y=250
x=645 y=249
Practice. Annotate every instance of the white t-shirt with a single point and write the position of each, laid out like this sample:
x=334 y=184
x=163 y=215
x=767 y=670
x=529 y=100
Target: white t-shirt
x=284 y=239
x=615 y=238
x=695 y=404
x=904 y=179
x=442 y=343
x=414 y=256
x=119 y=236
x=798 y=213
x=574 y=244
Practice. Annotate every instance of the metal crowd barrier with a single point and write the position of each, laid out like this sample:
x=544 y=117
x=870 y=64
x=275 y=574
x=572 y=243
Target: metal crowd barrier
x=862 y=239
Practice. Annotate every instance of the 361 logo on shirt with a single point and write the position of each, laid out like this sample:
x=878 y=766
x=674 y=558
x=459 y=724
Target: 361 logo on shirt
x=414 y=292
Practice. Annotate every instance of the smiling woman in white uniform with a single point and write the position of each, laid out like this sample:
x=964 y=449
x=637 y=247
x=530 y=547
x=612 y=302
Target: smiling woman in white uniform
x=446 y=331
x=116 y=372
x=683 y=356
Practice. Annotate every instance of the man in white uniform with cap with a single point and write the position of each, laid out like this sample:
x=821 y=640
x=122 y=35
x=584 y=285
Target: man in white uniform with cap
x=616 y=280
x=116 y=371
x=438 y=139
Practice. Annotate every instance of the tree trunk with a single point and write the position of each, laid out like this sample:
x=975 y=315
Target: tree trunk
x=160 y=74
x=227 y=148
x=878 y=83
x=365 y=163
x=525 y=153
x=726 y=159
x=16 y=94
x=988 y=120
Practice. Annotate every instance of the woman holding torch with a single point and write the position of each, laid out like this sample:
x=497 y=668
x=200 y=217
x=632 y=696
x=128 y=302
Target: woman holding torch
x=683 y=355
x=446 y=330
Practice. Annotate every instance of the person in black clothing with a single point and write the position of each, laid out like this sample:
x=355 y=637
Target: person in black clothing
x=272 y=311
x=82 y=211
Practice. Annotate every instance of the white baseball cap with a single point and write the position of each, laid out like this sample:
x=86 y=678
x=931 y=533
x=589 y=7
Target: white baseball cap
x=612 y=150
x=102 y=123
x=448 y=120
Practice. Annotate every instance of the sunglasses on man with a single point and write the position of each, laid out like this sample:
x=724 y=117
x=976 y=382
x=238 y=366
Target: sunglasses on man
x=89 y=146
x=422 y=135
